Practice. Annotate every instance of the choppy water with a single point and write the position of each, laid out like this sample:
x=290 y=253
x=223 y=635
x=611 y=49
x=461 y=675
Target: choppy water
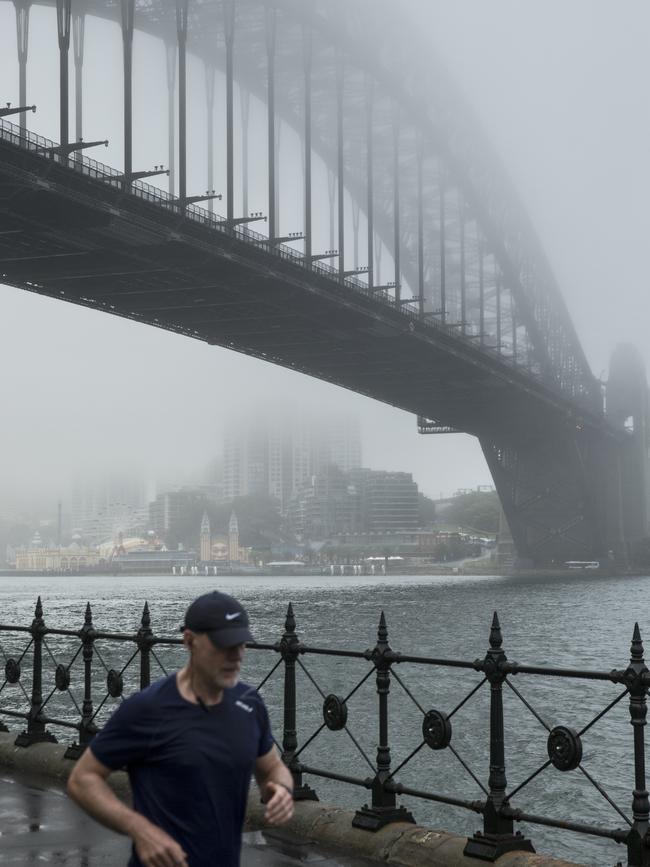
x=583 y=622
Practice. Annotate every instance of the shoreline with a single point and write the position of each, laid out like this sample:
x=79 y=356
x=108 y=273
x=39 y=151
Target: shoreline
x=452 y=572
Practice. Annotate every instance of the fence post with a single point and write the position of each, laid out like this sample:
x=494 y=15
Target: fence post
x=383 y=808
x=498 y=834
x=289 y=649
x=87 y=729
x=638 y=853
x=144 y=641
x=36 y=731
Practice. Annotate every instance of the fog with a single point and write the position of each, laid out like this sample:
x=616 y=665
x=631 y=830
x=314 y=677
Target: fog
x=561 y=92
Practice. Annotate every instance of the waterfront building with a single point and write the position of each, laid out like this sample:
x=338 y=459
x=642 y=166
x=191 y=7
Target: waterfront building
x=360 y=501
x=326 y=504
x=388 y=501
x=73 y=558
x=153 y=561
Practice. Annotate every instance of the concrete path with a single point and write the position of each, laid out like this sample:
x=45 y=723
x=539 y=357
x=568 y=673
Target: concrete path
x=39 y=825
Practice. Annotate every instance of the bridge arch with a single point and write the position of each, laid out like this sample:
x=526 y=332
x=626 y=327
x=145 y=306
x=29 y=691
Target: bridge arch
x=464 y=250
x=472 y=333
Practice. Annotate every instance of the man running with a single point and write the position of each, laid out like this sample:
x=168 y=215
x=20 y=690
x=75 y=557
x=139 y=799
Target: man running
x=190 y=743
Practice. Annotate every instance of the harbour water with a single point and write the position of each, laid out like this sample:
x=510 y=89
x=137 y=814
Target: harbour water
x=584 y=622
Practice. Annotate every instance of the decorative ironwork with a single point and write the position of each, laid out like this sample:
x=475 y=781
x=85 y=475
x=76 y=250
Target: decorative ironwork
x=436 y=730
x=564 y=748
x=114 y=683
x=62 y=678
x=335 y=713
x=12 y=671
x=497 y=835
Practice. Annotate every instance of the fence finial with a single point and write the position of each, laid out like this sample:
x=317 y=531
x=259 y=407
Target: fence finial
x=636 y=648
x=382 y=631
x=38 y=611
x=290 y=620
x=496 y=639
x=146 y=618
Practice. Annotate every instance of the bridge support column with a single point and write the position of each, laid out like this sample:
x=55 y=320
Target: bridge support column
x=340 y=160
x=245 y=103
x=370 y=179
x=210 y=73
x=463 y=275
x=443 y=249
x=170 y=54
x=181 y=37
x=513 y=319
x=63 y=32
x=22 y=8
x=331 y=192
x=307 y=37
x=78 y=34
x=397 y=240
x=420 y=183
x=128 y=8
x=271 y=28
x=229 y=36
x=498 y=310
x=481 y=290
x=628 y=409
x=554 y=490
x=356 y=218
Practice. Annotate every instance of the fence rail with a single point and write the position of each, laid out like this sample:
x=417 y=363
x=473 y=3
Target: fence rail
x=564 y=744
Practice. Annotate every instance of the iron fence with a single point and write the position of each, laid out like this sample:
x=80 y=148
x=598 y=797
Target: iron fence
x=142 y=649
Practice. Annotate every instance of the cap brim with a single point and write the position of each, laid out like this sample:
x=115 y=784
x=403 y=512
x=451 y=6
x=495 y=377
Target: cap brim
x=224 y=638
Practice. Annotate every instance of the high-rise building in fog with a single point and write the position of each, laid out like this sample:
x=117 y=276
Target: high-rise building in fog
x=275 y=456
x=104 y=505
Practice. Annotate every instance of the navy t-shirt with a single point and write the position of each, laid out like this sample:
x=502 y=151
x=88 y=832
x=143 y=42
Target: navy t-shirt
x=189 y=768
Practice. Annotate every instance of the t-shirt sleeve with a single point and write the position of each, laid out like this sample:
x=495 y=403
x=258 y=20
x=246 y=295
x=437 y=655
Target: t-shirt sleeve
x=126 y=736
x=266 y=737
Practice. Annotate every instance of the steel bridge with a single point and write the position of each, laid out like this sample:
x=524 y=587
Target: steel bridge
x=453 y=315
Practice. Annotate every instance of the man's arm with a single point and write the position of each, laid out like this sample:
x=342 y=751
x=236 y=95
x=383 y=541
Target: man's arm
x=88 y=787
x=276 y=785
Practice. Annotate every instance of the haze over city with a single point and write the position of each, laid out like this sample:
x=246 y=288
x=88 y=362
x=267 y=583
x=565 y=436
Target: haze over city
x=439 y=205
x=561 y=106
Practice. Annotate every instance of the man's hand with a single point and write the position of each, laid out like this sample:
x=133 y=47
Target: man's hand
x=154 y=847
x=88 y=787
x=279 y=803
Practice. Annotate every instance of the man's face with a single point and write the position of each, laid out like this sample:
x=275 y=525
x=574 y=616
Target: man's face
x=217 y=666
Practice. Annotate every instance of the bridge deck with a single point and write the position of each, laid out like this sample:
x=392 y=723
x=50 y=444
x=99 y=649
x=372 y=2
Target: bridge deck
x=80 y=238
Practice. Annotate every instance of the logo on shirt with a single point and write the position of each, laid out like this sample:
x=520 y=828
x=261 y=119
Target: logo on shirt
x=243 y=706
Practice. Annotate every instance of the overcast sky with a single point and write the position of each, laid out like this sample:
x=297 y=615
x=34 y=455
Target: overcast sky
x=561 y=90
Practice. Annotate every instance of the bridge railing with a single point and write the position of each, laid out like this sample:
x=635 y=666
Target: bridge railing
x=409 y=309
x=48 y=669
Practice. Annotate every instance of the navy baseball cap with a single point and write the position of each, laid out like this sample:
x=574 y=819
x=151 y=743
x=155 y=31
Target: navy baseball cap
x=223 y=619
